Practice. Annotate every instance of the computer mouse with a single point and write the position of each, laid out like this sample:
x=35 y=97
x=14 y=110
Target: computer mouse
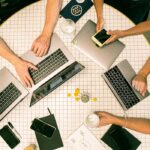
x=92 y=120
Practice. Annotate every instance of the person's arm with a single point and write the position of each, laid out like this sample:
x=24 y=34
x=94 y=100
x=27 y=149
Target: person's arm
x=99 y=12
x=20 y=65
x=140 y=80
x=138 y=124
x=138 y=29
x=41 y=44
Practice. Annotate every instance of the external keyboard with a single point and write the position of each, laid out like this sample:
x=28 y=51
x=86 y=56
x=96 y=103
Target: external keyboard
x=122 y=87
x=48 y=65
x=8 y=96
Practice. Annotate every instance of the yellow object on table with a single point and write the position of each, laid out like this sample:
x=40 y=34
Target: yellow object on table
x=31 y=147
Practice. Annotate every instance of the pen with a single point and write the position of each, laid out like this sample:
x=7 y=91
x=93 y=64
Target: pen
x=49 y=111
x=12 y=127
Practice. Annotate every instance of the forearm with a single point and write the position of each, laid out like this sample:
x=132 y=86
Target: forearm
x=52 y=14
x=99 y=8
x=7 y=53
x=138 y=29
x=137 y=124
x=145 y=71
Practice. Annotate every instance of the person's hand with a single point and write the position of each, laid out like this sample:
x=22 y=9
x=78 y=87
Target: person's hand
x=105 y=118
x=22 y=69
x=100 y=23
x=140 y=84
x=114 y=35
x=41 y=45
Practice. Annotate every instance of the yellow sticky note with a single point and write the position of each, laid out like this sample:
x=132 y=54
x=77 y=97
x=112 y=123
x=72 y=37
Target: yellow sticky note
x=94 y=99
x=77 y=90
x=77 y=99
x=68 y=94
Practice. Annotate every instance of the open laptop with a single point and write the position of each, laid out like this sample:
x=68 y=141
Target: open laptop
x=11 y=92
x=104 y=56
x=119 y=79
x=53 y=69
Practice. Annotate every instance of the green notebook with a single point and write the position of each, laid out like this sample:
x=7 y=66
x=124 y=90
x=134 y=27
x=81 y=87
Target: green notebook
x=50 y=143
x=119 y=138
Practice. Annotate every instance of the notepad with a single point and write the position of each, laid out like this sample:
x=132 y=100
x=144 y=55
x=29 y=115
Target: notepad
x=84 y=139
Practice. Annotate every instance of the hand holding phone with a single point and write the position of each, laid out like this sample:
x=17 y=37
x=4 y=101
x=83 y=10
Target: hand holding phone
x=43 y=128
x=101 y=37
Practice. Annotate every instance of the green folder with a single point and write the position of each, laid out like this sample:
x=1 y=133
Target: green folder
x=49 y=143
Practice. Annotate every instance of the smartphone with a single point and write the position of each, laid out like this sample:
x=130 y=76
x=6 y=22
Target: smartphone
x=43 y=128
x=120 y=139
x=100 y=37
x=9 y=136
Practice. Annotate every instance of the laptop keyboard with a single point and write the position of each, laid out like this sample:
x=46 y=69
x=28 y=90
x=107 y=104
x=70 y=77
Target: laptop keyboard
x=8 y=96
x=122 y=87
x=48 y=65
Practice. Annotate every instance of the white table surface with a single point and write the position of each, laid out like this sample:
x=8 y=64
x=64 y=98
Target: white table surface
x=22 y=28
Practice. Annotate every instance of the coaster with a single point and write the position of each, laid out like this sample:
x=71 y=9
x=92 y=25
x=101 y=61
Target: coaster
x=75 y=9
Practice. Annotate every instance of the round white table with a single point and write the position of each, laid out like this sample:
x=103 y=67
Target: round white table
x=21 y=29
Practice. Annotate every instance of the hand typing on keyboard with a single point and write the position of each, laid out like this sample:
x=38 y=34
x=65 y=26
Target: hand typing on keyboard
x=22 y=69
x=140 y=84
x=41 y=45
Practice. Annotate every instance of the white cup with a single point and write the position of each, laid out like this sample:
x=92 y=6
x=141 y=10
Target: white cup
x=68 y=27
x=92 y=120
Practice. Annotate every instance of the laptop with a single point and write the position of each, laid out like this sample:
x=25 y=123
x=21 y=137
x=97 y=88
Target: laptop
x=104 y=56
x=119 y=79
x=53 y=69
x=11 y=92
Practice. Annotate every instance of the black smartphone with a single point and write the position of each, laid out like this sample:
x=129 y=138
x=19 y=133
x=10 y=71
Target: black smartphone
x=100 y=37
x=120 y=140
x=43 y=128
x=9 y=136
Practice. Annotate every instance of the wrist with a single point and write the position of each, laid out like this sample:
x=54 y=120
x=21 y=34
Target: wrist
x=15 y=60
x=46 y=31
x=100 y=17
x=119 y=121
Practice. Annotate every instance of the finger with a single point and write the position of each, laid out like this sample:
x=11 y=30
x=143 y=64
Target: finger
x=133 y=83
x=144 y=90
x=23 y=81
x=32 y=66
x=109 y=32
x=111 y=39
x=33 y=45
x=42 y=52
x=35 y=48
x=40 y=48
x=27 y=81
x=30 y=79
x=100 y=113
x=45 y=51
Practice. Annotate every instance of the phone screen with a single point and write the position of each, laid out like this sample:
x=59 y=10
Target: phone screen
x=120 y=140
x=9 y=137
x=102 y=36
x=43 y=128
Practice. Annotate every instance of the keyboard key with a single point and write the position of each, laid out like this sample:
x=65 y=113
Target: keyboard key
x=48 y=65
x=8 y=96
x=122 y=87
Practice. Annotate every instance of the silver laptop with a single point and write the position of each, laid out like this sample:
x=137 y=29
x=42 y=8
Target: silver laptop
x=119 y=79
x=11 y=92
x=104 y=56
x=53 y=69
x=55 y=61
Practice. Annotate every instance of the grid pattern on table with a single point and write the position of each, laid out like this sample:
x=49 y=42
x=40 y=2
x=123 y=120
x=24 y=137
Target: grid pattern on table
x=20 y=31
